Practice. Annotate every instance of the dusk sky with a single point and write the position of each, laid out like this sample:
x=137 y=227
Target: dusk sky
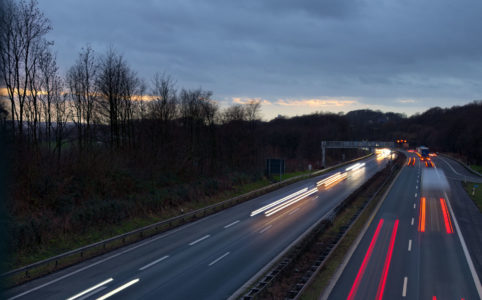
x=297 y=57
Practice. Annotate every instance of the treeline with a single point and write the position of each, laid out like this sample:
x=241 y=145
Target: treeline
x=456 y=130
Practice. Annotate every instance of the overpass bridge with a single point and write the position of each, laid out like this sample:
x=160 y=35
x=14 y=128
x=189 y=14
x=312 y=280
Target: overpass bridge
x=353 y=144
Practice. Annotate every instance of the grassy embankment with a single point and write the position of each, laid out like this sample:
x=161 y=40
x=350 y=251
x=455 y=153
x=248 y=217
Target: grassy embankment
x=477 y=196
x=476 y=168
x=62 y=243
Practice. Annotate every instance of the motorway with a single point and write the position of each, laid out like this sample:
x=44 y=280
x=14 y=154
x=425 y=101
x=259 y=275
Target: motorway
x=414 y=247
x=207 y=259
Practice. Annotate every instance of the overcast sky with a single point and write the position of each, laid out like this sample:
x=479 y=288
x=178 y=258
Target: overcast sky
x=296 y=56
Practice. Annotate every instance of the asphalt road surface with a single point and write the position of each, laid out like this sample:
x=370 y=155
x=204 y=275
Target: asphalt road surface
x=208 y=259
x=413 y=249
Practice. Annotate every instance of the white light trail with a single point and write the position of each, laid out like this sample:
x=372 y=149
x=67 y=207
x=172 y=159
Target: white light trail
x=90 y=289
x=290 y=202
x=328 y=179
x=355 y=167
x=122 y=287
x=266 y=207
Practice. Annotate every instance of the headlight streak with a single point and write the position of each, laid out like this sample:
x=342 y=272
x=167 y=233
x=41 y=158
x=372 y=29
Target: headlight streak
x=335 y=179
x=266 y=207
x=122 y=287
x=290 y=202
x=321 y=182
x=90 y=289
x=355 y=167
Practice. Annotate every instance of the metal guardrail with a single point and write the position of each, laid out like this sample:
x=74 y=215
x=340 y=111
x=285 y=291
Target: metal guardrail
x=357 y=144
x=152 y=229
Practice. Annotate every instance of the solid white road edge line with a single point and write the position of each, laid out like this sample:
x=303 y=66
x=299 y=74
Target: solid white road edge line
x=466 y=251
x=153 y=263
x=231 y=224
x=219 y=258
x=90 y=289
x=198 y=240
x=122 y=287
x=404 y=291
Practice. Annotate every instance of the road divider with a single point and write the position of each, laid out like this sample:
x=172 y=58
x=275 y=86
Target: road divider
x=153 y=263
x=231 y=224
x=404 y=290
x=199 y=240
x=265 y=229
x=218 y=259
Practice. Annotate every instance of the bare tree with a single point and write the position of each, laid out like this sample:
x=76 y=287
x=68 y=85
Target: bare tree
x=195 y=109
x=81 y=81
x=164 y=105
x=252 y=110
x=3 y=114
x=50 y=82
x=162 y=109
x=235 y=112
x=116 y=84
x=62 y=115
x=24 y=29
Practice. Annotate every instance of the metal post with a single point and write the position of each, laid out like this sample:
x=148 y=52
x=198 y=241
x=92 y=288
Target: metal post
x=323 y=144
x=280 y=170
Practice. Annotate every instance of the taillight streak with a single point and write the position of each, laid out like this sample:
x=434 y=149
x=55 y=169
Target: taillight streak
x=421 y=218
x=363 y=266
x=445 y=212
x=386 y=266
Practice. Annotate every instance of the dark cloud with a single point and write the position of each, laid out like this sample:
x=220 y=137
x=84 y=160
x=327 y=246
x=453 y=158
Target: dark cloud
x=376 y=51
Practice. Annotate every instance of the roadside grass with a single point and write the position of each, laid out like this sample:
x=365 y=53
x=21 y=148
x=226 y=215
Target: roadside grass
x=476 y=168
x=477 y=198
x=65 y=242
